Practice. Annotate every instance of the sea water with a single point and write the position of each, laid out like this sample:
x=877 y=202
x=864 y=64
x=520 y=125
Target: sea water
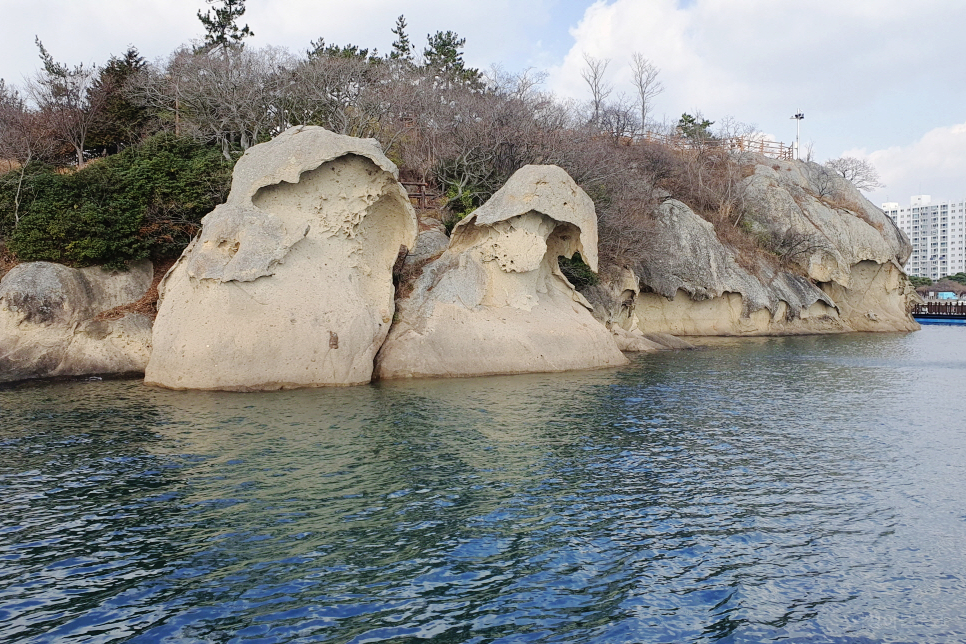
x=808 y=489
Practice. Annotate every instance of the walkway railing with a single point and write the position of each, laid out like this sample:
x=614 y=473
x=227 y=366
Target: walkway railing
x=771 y=149
x=418 y=190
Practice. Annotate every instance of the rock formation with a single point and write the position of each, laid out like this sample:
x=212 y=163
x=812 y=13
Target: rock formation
x=289 y=283
x=47 y=325
x=496 y=301
x=837 y=265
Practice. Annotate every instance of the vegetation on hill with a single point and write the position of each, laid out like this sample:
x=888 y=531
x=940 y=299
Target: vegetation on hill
x=145 y=201
x=170 y=132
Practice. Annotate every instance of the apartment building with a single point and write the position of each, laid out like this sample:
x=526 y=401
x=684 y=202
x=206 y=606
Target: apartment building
x=936 y=231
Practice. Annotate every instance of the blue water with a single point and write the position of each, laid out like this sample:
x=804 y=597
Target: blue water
x=785 y=489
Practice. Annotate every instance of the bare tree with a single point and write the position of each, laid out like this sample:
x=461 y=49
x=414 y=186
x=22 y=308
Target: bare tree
x=646 y=83
x=232 y=96
x=68 y=99
x=822 y=179
x=619 y=120
x=794 y=246
x=348 y=95
x=860 y=172
x=810 y=151
x=25 y=137
x=593 y=75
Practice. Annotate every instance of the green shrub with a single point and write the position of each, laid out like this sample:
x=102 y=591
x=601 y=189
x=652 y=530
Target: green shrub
x=577 y=271
x=146 y=201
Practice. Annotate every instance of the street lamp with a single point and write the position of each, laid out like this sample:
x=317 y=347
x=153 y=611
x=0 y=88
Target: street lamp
x=798 y=130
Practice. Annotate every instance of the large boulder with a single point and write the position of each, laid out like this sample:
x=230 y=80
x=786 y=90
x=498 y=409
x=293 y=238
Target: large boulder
x=48 y=326
x=496 y=301
x=835 y=263
x=289 y=283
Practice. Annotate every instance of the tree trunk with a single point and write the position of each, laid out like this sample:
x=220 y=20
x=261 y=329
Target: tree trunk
x=16 y=197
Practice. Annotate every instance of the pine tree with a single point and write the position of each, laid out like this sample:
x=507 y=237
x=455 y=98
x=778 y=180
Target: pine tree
x=123 y=121
x=444 y=51
x=221 y=27
x=402 y=48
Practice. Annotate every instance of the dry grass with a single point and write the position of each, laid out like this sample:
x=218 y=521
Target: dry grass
x=7 y=260
x=406 y=276
x=147 y=305
x=841 y=202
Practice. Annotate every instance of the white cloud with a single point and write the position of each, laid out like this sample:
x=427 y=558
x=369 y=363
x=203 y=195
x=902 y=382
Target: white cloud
x=865 y=72
x=934 y=165
x=882 y=75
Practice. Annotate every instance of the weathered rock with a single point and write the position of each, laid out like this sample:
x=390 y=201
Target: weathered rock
x=429 y=244
x=846 y=255
x=290 y=282
x=496 y=301
x=634 y=341
x=47 y=327
x=615 y=303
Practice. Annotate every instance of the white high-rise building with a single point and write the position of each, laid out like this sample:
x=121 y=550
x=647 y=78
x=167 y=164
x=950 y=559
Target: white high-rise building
x=936 y=231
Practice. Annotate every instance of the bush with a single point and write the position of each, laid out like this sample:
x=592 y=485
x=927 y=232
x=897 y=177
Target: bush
x=146 y=201
x=577 y=272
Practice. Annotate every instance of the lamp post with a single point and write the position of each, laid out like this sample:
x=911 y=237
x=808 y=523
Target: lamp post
x=798 y=130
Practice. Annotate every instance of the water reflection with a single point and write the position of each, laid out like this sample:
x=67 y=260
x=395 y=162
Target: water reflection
x=782 y=488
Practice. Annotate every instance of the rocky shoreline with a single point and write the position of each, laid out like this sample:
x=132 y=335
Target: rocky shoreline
x=290 y=282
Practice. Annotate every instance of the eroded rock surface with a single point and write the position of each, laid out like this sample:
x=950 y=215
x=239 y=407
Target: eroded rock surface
x=496 y=301
x=840 y=267
x=47 y=325
x=289 y=283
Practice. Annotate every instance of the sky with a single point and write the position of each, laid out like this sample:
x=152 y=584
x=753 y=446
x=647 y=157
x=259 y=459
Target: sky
x=883 y=80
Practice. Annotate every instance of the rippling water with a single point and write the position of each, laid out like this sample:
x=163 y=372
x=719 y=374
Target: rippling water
x=785 y=489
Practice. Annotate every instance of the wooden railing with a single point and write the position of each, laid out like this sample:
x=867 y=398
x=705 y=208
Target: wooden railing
x=772 y=149
x=419 y=191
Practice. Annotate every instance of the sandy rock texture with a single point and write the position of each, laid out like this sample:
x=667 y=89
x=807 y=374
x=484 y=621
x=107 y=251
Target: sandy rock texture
x=496 y=301
x=47 y=325
x=289 y=283
x=841 y=267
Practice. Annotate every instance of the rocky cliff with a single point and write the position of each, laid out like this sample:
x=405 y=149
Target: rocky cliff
x=829 y=262
x=49 y=322
x=289 y=283
x=496 y=301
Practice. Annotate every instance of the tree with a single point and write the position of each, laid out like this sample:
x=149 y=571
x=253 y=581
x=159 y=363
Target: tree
x=25 y=137
x=340 y=93
x=593 y=75
x=695 y=128
x=444 y=53
x=221 y=25
x=860 y=172
x=619 y=120
x=234 y=98
x=402 y=48
x=318 y=49
x=66 y=98
x=122 y=122
x=646 y=83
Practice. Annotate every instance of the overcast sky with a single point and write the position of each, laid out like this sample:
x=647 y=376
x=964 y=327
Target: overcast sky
x=880 y=79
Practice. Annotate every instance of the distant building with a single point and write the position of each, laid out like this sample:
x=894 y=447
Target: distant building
x=936 y=231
